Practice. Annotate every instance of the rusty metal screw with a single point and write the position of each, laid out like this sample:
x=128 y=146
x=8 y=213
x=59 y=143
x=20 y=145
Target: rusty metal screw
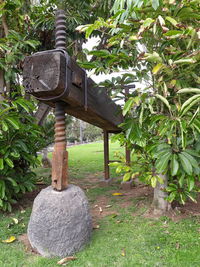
x=60 y=135
x=60 y=30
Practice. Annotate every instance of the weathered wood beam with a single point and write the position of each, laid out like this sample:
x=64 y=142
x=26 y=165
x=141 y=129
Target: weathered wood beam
x=53 y=75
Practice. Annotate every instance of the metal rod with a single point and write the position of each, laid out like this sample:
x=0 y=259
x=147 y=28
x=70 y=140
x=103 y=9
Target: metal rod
x=106 y=155
x=60 y=155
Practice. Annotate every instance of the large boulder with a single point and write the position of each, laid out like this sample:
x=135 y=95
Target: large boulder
x=60 y=223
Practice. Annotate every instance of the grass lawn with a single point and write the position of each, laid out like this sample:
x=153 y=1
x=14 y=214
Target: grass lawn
x=125 y=237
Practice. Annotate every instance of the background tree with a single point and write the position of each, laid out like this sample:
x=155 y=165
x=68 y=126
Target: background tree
x=159 y=42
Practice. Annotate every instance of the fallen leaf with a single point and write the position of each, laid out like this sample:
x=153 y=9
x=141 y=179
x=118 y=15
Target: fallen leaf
x=9 y=240
x=108 y=206
x=166 y=232
x=64 y=260
x=123 y=252
x=118 y=221
x=117 y=194
x=96 y=226
x=177 y=245
x=40 y=183
x=15 y=220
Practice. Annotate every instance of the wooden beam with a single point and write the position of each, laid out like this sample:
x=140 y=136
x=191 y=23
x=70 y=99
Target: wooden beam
x=52 y=76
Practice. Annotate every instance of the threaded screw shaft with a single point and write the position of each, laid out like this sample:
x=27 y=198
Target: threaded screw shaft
x=60 y=135
x=60 y=30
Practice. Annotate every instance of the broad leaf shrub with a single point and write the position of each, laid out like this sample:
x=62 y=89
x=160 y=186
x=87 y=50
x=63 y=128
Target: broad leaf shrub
x=20 y=139
x=158 y=41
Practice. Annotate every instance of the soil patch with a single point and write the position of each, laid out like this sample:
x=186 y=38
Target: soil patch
x=24 y=240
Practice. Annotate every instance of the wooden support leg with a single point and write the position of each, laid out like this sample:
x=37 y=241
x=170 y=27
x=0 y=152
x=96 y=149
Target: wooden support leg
x=60 y=155
x=128 y=184
x=128 y=156
x=106 y=155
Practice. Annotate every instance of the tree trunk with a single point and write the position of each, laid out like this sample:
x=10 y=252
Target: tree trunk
x=45 y=160
x=160 y=204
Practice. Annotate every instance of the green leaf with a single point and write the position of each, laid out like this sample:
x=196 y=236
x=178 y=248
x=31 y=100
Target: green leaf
x=23 y=104
x=88 y=65
x=118 y=169
x=155 y=4
x=173 y=33
x=4 y=126
x=126 y=176
x=164 y=100
x=187 y=167
x=99 y=53
x=1 y=164
x=153 y=181
x=191 y=183
x=189 y=103
x=32 y=43
x=192 y=152
x=185 y=61
x=162 y=162
x=13 y=182
x=191 y=159
x=194 y=116
x=13 y=122
x=2 y=189
x=154 y=57
x=157 y=68
x=22 y=145
x=161 y=20
x=174 y=165
x=192 y=198
x=181 y=181
x=189 y=90
x=148 y=22
x=9 y=162
x=172 y=21
x=171 y=196
x=128 y=105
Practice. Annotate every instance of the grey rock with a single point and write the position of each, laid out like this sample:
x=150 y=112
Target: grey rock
x=60 y=223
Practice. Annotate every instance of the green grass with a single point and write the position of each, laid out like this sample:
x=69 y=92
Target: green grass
x=86 y=159
x=125 y=240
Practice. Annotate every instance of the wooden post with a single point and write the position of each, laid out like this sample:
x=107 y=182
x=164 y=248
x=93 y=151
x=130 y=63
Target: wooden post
x=60 y=155
x=106 y=155
x=128 y=156
x=127 y=151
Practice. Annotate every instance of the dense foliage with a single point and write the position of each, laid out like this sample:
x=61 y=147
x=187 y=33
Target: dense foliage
x=158 y=42
x=20 y=139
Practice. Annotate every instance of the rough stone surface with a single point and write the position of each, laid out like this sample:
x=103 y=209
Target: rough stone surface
x=60 y=223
